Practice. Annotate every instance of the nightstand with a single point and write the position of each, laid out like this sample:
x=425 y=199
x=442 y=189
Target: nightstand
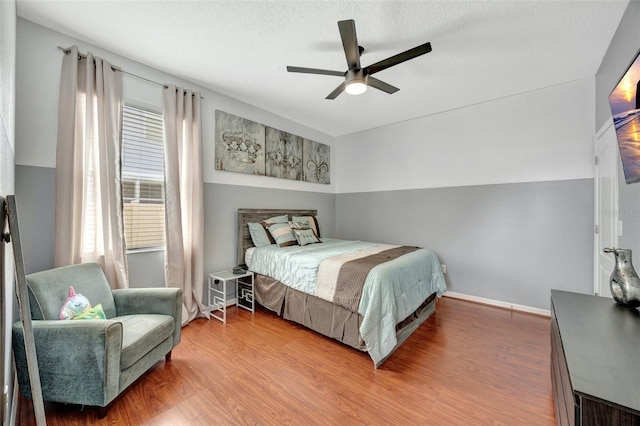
x=217 y=297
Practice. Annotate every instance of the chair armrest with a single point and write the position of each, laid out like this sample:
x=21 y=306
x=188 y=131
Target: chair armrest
x=167 y=301
x=78 y=360
x=132 y=301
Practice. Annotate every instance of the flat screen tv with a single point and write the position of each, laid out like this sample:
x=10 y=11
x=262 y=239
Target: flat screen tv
x=625 y=108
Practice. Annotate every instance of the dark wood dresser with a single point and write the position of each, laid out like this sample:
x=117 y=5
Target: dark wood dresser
x=595 y=360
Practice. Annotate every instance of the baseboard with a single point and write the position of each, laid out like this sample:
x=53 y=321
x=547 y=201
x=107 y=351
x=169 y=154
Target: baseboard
x=497 y=303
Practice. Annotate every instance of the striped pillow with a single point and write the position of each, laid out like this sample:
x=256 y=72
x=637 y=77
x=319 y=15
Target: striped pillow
x=265 y=224
x=283 y=234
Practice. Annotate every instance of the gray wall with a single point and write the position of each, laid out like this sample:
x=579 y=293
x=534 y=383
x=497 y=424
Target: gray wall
x=220 y=230
x=221 y=225
x=507 y=242
x=35 y=199
x=35 y=187
x=36 y=193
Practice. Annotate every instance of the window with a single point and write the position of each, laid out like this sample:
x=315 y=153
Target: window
x=142 y=178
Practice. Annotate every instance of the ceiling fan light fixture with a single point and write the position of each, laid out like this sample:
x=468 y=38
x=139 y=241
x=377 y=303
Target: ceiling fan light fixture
x=357 y=78
x=355 y=87
x=356 y=82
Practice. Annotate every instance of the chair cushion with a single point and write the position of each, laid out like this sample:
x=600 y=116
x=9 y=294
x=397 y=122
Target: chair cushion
x=141 y=333
x=49 y=289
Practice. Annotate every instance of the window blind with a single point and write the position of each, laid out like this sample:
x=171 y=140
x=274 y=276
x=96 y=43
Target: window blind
x=142 y=178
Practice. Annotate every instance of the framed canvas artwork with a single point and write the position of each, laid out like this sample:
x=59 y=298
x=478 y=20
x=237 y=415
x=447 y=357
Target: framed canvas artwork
x=244 y=146
x=316 y=160
x=284 y=154
x=240 y=144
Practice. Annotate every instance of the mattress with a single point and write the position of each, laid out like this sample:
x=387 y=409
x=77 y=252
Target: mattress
x=248 y=254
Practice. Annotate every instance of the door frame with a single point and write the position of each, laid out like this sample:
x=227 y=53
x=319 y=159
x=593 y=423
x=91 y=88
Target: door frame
x=598 y=287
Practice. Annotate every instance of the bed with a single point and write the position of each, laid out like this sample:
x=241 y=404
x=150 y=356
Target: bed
x=401 y=285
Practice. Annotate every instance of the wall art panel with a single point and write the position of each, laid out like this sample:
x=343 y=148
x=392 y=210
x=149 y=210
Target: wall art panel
x=240 y=144
x=245 y=146
x=284 y=154
x=316 y=158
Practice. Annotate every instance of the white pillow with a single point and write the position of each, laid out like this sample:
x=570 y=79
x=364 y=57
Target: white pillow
x=259 y=235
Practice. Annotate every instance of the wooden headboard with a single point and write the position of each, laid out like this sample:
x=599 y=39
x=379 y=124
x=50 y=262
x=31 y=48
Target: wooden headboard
x=258 y=215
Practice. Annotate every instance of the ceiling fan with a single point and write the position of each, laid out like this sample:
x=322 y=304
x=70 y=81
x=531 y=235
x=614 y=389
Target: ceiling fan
x=356 y=78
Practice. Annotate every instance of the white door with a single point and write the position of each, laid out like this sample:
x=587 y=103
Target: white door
x=606 y=206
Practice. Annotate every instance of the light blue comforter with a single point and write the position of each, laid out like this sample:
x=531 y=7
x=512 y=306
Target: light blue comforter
x=392 y=290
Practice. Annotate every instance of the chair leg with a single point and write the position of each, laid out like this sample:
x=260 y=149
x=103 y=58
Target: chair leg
x=167 y=357
x=102 y=412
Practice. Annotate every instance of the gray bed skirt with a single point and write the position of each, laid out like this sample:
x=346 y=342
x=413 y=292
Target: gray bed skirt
x=327 y=318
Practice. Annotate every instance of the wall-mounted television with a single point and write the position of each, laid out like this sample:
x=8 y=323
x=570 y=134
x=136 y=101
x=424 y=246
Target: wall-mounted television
x=625 y=108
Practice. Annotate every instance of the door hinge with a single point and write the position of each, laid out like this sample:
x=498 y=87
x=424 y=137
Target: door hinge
x=595 y=228
x=596 y=160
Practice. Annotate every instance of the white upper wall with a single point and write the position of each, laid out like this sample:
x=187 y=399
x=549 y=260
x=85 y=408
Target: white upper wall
x=535 y=136
x=38 y=63
x=542 y=135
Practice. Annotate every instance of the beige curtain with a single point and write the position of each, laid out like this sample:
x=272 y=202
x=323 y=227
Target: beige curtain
x=184 y=209
x=89 y=226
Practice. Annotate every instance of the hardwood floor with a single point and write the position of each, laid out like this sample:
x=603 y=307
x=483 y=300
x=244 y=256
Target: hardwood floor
x=468 y=364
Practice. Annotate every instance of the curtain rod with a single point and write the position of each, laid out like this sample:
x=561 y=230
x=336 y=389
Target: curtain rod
x=113 y=67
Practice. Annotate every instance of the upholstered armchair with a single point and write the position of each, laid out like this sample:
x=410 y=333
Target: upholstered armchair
x=91 y=361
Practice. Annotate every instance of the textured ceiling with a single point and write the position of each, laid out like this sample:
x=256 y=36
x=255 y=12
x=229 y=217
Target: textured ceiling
x=482 y=50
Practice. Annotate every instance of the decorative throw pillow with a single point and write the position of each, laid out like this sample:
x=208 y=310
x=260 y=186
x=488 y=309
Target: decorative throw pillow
x=268 y=222
x=74 y=305
x=259 y=231
x=78 y=307
x=92 y=313
x=299 y=225
x=312 y=220
x=283 y=234
x=259 y=235
x=305 y=236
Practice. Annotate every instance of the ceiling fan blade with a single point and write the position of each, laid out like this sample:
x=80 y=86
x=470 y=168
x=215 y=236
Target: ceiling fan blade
x=337 y=91
x=381 y=85
x=350 y=42
x=315 y=71
x=398 y=59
